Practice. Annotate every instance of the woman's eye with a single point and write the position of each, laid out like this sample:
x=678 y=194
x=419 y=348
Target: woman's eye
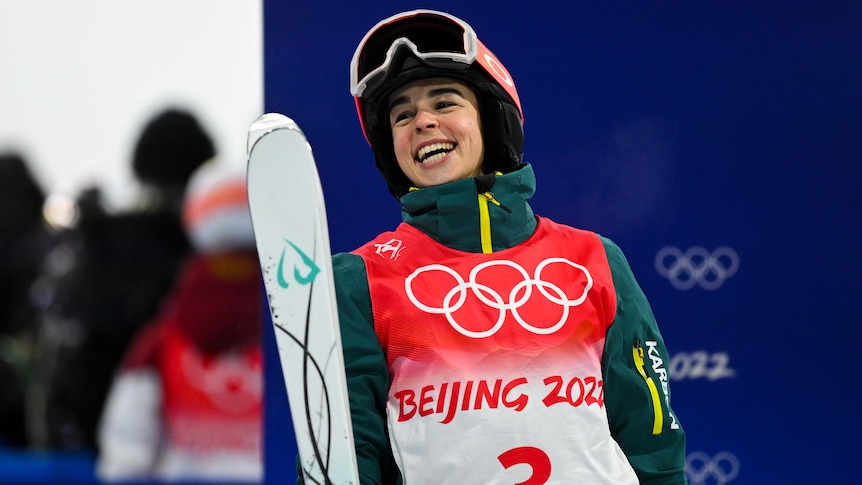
x=444 y=104
x=400 y=116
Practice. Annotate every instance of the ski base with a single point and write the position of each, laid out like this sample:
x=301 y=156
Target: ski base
x=289 y=220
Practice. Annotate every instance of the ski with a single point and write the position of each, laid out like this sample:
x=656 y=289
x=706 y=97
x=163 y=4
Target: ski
x=289 y=220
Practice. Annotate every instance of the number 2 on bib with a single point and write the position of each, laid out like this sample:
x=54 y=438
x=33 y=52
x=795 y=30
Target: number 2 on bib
x=536 y=458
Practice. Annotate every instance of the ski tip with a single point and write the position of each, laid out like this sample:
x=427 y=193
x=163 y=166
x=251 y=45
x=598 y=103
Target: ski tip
x=267 y=123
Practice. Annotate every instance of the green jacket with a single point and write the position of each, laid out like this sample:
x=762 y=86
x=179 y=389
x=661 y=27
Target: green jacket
x=633 y=363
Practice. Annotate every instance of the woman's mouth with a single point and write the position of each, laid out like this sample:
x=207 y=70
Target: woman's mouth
x=433 y=152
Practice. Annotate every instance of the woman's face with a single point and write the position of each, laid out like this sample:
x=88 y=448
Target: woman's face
x=436 y=131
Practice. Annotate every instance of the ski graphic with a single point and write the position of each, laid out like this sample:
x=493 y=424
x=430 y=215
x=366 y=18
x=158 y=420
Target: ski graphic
x=290 y=229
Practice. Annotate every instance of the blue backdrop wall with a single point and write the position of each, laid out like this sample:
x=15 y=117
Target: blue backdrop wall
x=718 y=143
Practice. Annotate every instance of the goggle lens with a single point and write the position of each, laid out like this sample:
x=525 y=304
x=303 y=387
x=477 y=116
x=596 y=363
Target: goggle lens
x=434 y=35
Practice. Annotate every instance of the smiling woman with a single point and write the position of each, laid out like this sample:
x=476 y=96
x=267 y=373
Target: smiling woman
x=428 y=364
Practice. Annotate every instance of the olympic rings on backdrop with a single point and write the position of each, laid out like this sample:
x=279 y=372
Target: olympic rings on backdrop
x=455 y=297
x=702 y=469
x=697 y=266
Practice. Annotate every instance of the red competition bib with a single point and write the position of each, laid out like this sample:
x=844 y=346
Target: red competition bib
x=495 y=359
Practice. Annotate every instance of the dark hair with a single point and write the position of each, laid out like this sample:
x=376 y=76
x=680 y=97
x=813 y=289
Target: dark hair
x=171 y=146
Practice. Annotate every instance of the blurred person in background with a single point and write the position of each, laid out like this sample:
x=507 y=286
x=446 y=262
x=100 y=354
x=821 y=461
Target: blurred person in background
x=186 y=402
x=105 y=278
x=24 y=241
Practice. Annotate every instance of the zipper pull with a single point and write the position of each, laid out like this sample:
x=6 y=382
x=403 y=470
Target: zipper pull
x=638 y=353
x=491 y=199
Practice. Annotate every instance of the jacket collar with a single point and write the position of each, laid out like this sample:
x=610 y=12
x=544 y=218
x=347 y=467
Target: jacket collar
x=452 y=213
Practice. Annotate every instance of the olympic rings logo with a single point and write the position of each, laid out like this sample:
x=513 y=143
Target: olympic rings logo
x=697 y=266
x=456 y=296
x=702 y=469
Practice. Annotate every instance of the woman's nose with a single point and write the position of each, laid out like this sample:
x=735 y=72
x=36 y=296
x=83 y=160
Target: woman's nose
x=425 y=120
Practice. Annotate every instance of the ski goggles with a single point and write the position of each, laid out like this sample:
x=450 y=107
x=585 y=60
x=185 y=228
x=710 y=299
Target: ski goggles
x=435 y=38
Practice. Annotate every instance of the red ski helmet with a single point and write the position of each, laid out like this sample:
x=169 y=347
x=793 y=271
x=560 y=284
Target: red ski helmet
x=421 y=44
